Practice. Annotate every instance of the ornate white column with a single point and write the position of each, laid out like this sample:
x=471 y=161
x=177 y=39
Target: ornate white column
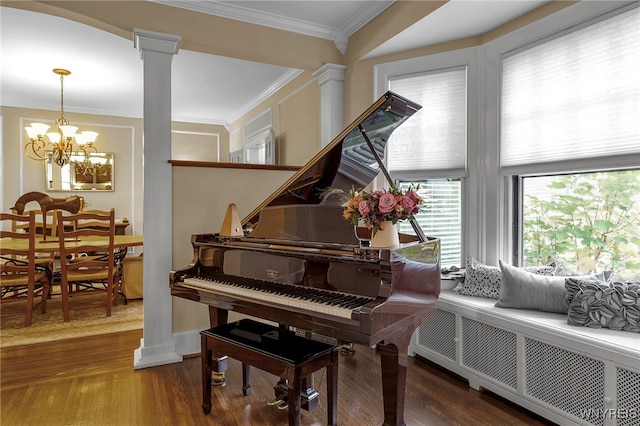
x=156 y=51
x=331 y=81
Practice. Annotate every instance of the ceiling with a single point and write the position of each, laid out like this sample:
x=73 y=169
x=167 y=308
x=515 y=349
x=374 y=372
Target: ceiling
x=108 y=80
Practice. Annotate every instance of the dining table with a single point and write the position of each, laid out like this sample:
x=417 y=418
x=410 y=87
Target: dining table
x=53 y=245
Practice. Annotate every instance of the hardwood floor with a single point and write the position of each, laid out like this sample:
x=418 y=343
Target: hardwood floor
x=91 y=381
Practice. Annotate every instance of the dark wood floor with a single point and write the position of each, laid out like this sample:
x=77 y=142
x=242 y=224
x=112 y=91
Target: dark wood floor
x=91 y=381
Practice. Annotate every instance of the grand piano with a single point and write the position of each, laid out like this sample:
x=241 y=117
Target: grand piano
x=296 y=261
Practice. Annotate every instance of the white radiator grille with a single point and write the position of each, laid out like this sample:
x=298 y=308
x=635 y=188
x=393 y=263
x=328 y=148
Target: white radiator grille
x=438 y=334
x=628 y=397
x=571 y=382
x=490 y=350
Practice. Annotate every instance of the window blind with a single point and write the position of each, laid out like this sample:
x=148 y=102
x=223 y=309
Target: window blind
x=574 y=97
x=440 y=216
x=434 y=139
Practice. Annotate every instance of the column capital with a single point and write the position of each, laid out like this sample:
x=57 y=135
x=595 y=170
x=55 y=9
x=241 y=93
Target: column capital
x=153 y=41
x=330 y=72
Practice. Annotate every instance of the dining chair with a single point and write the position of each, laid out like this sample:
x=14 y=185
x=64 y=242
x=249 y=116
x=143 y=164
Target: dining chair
x=86 y=223
x=45 y=224
x=87 y=261
x=21 y=278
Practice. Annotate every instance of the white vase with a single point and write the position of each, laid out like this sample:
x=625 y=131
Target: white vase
x=387 y=236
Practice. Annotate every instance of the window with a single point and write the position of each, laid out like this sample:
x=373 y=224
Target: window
x=435 y=137
x=568 y=122
x=574 y=97
x=441 y=216
x=558 y=96
x=585 y=221
x=429 y=150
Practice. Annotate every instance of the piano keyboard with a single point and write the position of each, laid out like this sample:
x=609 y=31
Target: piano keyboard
x=312 y=299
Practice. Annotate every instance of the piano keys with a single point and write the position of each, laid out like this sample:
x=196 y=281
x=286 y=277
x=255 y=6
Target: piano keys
x=298 y=263
x=288 y=296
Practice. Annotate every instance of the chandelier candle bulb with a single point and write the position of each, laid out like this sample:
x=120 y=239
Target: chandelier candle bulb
x=68 y=131
x=54 y=137
x=89 y=135
x=37 y=130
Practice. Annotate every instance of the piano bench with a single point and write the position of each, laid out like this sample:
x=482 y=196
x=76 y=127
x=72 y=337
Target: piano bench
x=278 y=351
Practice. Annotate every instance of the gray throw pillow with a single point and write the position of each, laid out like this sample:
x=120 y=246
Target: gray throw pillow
x=595 y=304
x=484 y=281
x=525 y=290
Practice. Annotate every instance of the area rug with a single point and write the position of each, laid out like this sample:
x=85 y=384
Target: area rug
x=50 y=326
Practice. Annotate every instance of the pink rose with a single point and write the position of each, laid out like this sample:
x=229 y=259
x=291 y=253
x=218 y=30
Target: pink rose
x=414 y=196
x=408 y=205
x=387 y=202
x=363 y=208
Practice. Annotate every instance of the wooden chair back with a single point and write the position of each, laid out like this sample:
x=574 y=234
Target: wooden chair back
x=87 y=254
x=46 y=223
x=19 y=271
x=87 y=223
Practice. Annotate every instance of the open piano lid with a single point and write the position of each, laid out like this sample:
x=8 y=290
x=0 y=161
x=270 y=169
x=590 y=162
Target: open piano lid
x=348 y=161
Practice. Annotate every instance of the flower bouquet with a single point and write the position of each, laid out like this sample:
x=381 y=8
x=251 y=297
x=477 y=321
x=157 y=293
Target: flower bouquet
x=379 y=206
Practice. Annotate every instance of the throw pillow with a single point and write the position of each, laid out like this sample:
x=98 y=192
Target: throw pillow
x=525 y=290
x=484 y=281
x=610 y=305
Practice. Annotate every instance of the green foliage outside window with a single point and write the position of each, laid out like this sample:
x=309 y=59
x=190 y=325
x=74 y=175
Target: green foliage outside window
x=587 y=222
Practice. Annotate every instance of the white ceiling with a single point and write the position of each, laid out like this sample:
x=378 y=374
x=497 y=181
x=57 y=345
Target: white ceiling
x=108 y=80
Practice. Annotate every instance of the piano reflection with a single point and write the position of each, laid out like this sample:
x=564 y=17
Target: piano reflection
x=297 y=262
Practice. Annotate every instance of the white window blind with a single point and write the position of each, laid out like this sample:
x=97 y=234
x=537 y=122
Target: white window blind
x=434 y=139
x=574 y=97
x=440 y=216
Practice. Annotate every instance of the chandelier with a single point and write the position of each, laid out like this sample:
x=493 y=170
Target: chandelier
x=60 y=141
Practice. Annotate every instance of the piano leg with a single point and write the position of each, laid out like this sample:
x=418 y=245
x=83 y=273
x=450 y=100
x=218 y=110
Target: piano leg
x=219 y=365
x=393 y=361
x=218 y=316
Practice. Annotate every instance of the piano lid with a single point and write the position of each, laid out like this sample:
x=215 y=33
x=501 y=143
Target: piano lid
x=348 y=161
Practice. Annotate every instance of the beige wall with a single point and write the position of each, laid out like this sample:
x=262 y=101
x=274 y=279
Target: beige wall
x=299 y=116
x=296 y=120
x=199 y=142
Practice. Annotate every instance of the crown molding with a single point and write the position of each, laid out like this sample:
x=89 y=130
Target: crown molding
x=340 y=36
x=373 y=9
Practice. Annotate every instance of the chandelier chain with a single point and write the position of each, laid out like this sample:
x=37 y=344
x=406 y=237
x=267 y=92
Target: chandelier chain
x=62 y=121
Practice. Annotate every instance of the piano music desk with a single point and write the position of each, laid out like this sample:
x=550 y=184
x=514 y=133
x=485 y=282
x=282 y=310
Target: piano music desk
x=275 y=350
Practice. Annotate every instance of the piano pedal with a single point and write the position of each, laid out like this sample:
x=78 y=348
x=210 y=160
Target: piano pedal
x=218 y=379
x=348 y=349
x=283 y=405
x=276 y=402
